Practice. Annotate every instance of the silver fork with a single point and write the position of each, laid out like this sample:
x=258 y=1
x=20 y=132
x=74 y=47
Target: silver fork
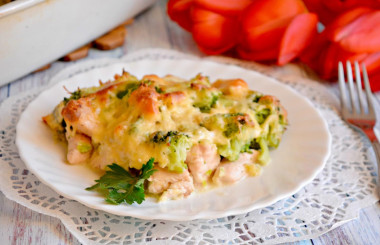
x=359 y=111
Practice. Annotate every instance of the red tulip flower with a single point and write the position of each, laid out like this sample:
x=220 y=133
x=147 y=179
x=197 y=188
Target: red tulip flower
x=276 y=30
x=354 y=36
x=259 y=30
x=327 y=10
x=284 y=30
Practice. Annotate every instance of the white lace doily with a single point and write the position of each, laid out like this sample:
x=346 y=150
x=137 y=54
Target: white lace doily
x=335 y=196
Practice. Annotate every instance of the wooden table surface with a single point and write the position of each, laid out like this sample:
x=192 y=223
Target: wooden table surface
x=151 y=29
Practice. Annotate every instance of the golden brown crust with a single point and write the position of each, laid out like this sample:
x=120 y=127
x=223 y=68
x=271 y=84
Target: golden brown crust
x=102 y=95
x=234 y=87
x=158 y=81
x=198 y=86
x=80 y=114
x=173 y=97
x=145 y=98
x=269 y=99
x=72 y=111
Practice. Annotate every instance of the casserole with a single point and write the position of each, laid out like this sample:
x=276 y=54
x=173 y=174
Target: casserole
x=34 y=33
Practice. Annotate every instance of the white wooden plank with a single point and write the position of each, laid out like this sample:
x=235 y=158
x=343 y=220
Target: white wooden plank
x=304 y=242
x=180 y=39
x=20 y=225
x=148 y=31
x=364 y=230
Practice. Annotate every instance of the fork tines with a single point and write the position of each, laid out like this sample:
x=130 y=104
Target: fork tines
x=355 y=94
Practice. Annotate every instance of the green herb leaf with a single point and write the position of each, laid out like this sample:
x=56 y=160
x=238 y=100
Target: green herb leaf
x=119 y=186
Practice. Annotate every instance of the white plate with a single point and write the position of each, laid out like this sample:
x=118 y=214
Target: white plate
x=300 y=156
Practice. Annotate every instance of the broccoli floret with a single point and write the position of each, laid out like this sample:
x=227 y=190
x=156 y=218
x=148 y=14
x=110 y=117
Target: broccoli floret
x=282 y=116
x=161 y=137
x=254 y=96
x=206 y=99
x=199 y=79
x=129 y=88
x=276 y=130
x=232 y=150
x=230 y=123
x=80 y=93
x=238 y=128
x=159 y=90
x=273 y=130
x=177 y=145
x=272 y=119
x=206 y=96
x=231 y=128
x=274 y=140
x=264 y=156
x=262 y=115
x=76 y=95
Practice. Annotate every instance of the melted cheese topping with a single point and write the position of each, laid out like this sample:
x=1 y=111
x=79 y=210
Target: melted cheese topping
x=130 y=120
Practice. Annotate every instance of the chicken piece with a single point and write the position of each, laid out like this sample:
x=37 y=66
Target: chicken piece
x=230 y=172
x=79 y=148
x=172 y=185
x=145 y=99
x=80 y=114
x=202 y=160
x=233 y=87
x=102 y=157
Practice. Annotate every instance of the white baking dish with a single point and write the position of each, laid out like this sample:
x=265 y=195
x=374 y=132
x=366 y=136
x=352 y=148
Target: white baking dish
x=34 y=33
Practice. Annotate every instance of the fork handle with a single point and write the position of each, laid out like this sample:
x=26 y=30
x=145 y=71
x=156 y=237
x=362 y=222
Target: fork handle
x=376 y=148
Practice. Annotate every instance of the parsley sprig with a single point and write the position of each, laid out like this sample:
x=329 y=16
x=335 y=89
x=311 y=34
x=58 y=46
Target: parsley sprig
x=119 y=186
